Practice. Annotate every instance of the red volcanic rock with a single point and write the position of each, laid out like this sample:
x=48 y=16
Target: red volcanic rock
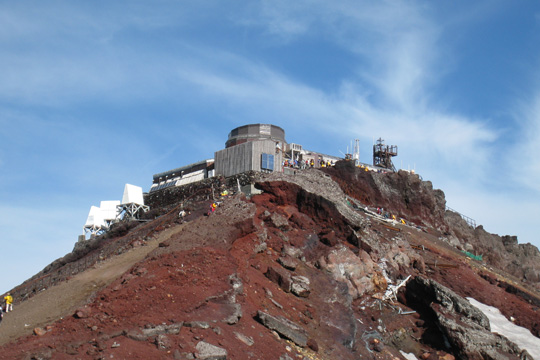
x=280 y=277
x=312 y=344
x=288 y=262
x=402 y=193
x=305 y=262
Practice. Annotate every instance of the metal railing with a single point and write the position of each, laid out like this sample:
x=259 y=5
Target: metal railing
x=468 y=220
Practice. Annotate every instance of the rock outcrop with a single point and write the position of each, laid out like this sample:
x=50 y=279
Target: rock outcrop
x=403 y=193
x=502 y=252
x=465 y=328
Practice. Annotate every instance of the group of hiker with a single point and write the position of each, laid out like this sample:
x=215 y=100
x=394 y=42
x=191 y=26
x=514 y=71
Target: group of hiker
x=301 y=164
x=387 y=215
x=215 y=204
x=8 y=299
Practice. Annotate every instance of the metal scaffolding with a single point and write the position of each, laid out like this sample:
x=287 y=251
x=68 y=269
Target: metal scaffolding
x=382 y=155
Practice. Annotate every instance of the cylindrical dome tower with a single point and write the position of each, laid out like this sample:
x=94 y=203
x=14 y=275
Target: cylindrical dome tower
x=254 y=132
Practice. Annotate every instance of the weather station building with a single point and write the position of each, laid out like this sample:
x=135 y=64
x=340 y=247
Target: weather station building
x=254 y=147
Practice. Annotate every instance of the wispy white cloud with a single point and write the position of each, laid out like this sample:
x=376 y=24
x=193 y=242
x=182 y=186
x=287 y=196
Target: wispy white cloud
x=523 y=159
x=57 y=58
x=404 y=59
x=449 y=136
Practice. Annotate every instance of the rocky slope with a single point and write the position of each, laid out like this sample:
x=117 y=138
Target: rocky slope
x=502 y=252
x=304 y=270
x=407 y=196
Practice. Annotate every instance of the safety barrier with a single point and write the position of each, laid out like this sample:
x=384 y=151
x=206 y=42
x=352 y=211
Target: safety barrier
x=470 y=221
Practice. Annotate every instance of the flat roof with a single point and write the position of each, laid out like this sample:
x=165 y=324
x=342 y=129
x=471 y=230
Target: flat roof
x=183 y=168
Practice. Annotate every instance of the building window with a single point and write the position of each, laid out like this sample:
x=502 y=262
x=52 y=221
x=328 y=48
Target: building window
x=267 y=162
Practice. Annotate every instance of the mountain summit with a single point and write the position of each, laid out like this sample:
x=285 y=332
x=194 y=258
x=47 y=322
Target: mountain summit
x=332 y=263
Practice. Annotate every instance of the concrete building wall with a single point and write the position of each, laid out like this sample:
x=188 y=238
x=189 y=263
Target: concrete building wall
x=245 y=157
x=254 y=132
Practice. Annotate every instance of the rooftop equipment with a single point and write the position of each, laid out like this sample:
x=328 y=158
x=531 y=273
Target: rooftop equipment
x=356 y=153
x=382 y=155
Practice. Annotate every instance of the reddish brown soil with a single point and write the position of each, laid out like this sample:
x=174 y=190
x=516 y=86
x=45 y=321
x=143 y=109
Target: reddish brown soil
x=187 y=274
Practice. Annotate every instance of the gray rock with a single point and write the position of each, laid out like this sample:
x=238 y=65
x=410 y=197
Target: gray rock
x=279 y=221
x=466 y=328
x=197 y=324
x=163 y=342
x=292 y=251
x=183 y=355
x=300 y=286
x=207 y=351
x=276 y=303
x=280 y=277
x=160 y=329
x=284 y=328
x=359 y=272
x=260 y=247
x=432 y=290
x=136 y=335
x=235 y=314
x=248 y=340
x=236 y=284
x=288 y=263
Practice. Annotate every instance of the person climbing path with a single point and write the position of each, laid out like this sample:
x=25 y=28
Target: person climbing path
x=9 y=302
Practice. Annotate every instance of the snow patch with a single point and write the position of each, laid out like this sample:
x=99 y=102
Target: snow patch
x=501 y=325
x=408 y=356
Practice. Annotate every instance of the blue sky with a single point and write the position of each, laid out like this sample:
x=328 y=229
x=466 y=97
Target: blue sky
x=94 y=95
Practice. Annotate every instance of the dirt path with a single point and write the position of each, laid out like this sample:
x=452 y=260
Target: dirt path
x=63 y=299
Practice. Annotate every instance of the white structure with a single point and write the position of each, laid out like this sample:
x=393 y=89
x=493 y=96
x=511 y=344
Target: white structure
x=95 y=224
x=356 y=152
x=183 y=175
x=132 y=194
x=108 y=211
x=101 y=218
x=132 y=203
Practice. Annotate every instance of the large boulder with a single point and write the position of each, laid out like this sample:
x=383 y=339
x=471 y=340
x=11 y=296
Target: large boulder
x=284 y=328
x=463 y=327
x=360 y=273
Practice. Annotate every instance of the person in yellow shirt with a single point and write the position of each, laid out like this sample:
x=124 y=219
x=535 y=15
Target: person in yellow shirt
x=9 y=302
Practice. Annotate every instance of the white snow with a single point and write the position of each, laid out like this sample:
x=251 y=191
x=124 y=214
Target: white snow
x=408 y=356
x=501 y=325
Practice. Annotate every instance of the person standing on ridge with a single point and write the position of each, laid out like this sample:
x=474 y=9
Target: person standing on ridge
x=9 y=302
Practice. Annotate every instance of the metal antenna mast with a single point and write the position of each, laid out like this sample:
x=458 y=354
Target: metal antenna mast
x=382 y=155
